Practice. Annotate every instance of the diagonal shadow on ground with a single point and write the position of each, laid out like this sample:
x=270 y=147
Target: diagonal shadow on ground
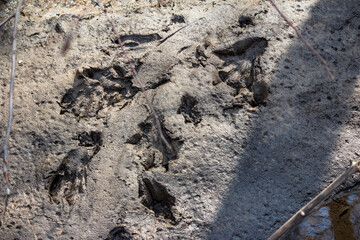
x=288 y=156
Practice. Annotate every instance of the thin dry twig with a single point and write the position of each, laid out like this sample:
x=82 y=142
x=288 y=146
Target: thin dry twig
x=32 y=228
x=306 y=210
x=6 y=20
x=11 y=93
x=308 y=45
x=136 y=78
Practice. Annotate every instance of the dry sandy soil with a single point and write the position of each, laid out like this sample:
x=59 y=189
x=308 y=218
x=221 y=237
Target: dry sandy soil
x=257 y=126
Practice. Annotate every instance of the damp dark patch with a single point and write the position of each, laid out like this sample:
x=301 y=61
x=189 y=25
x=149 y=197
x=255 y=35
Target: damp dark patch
x=188 y=108
x=245 y=21
x=177 y=18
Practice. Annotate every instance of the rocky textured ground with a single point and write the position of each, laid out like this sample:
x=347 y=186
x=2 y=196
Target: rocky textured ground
x=257 y=126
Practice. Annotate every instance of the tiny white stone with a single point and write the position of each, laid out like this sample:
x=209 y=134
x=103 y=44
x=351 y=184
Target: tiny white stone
x=21 y=63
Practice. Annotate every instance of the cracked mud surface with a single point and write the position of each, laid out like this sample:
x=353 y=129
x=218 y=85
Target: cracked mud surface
x=257 y=127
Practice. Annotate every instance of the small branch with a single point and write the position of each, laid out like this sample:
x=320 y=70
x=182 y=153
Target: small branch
x=322 y=60
x=11 y=93
x=6 y=20
x=136 y=78
x=306 y=210
x=32 y=228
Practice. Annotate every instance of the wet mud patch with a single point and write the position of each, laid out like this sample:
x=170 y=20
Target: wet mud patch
x=245 y=21
x=95 y=90
x=189 y=109
x=177 y=18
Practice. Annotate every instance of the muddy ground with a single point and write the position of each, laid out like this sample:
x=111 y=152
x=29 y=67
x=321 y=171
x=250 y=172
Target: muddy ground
x=257 y=127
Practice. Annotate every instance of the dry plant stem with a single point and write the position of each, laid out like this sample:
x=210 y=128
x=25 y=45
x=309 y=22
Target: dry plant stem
x=322 y=60
x=32 y=228
x=306 y=210
x=136 y=78
x=6 y=20
x=11 y=93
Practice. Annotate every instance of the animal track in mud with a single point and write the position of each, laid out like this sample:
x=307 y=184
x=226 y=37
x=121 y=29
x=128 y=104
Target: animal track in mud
x=156 y=197
x=69 y=178
x=96 y=89
x=156 y=154
x=241 y=70
x=189 y=110
x=90 y=139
